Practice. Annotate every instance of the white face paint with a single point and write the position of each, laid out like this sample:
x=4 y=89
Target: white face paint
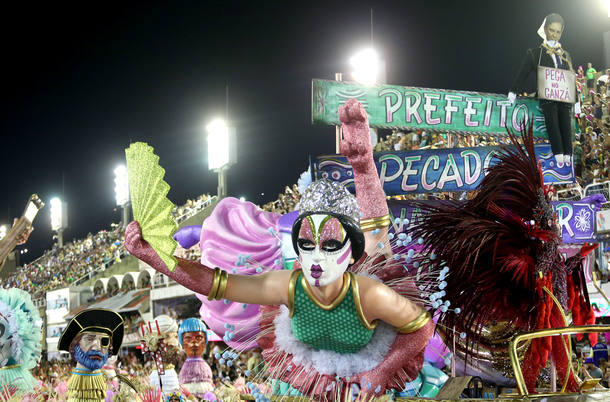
x=322 y=254
x=5 y=342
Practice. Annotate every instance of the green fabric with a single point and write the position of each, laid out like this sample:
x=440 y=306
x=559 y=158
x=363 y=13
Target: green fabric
x=19 y=378
x=591 y=73
x=283 y=388
x=339 y=329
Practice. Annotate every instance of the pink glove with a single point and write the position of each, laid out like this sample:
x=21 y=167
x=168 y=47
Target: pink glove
x=190 y=274
x=356 y=146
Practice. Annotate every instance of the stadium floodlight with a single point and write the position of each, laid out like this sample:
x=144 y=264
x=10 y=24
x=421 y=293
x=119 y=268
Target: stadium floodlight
x=3 y=231
x=121 y=185
x=59 y=218
x=218 y=144
x=367 y=67
x=56 y=213
x=221 y=151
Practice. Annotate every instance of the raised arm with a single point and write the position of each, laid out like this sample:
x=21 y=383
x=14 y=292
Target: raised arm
x=270 y=288
x=356 y=146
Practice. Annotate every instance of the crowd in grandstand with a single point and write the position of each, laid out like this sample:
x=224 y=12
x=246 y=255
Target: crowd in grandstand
x=61 y=266
x=286 y=201
x=190 y=208
x=80 y=259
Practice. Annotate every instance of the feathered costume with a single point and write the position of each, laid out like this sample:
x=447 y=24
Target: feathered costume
x=24 y=334
x=502 y=247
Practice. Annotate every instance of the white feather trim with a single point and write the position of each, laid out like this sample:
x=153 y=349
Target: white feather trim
x=304 y=180
x=329 y=362
x=13 y=328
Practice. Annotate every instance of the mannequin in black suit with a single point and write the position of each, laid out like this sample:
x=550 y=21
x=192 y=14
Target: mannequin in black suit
x=557 y=115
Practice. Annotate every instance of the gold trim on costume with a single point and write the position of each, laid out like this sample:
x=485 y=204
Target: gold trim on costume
x=215 y=283
x=292 y=284
x=92 y=329
x=416 y=324
x=222 y=285
x=356 y=295
x=375 y=223
x=12 y=366
x=334 y=303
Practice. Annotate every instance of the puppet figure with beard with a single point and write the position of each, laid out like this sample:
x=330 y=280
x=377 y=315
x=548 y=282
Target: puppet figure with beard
x=172 y=358
x=91 y=337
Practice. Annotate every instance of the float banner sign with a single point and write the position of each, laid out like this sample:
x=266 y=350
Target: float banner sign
x=577 y=219
x=556 y=84
x=433 y=170
x=410 y=108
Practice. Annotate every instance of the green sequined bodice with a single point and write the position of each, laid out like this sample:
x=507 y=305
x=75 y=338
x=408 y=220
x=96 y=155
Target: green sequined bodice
x=339 y=327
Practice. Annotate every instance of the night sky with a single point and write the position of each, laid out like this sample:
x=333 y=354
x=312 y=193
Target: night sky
x=82 y=81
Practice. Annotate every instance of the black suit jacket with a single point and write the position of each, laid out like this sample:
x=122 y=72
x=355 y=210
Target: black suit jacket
x=530 y=64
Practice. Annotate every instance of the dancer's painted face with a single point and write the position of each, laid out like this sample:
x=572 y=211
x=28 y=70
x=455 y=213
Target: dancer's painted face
x=324 y=249
x=5 y=341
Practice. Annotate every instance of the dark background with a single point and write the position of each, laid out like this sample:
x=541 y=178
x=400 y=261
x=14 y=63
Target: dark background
x=80 y=82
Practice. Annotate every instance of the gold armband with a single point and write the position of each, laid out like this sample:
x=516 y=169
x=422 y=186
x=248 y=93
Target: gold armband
x=222 y=285
x=416 y=324
x=215 y=283
x=375 y=223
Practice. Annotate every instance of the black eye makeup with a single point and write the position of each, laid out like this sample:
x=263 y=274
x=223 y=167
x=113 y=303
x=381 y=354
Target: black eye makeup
x=306 y=244
x=332 y=245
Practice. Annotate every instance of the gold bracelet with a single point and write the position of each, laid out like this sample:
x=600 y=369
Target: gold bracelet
x=215 y=283
x=375 y=223
x=222 y=285
x=416 y=324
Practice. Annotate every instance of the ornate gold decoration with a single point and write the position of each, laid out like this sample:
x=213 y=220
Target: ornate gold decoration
x=86 y=385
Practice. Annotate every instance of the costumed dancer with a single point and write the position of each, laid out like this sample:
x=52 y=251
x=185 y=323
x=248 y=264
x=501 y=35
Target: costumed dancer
x=557 y=114
x=195 y=375
x=91 y=337
x=506 y=269
x=20 y=340
x=329 y=325
x=172 y=357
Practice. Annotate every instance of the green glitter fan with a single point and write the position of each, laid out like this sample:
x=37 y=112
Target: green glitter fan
x=151 y=208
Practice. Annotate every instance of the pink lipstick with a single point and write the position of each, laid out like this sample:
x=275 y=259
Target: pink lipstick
x=316 y=271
